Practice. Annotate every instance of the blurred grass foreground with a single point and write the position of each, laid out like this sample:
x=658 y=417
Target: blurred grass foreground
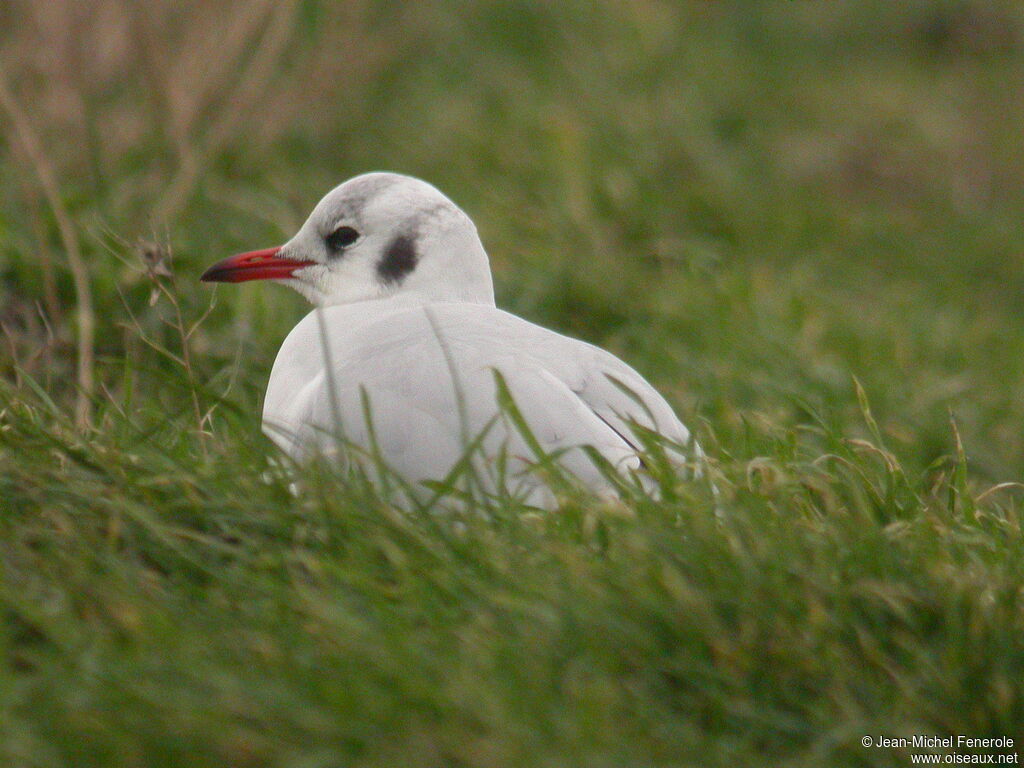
x=801 y=220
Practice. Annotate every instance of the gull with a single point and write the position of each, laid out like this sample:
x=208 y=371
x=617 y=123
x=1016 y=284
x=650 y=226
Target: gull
x=406 y=360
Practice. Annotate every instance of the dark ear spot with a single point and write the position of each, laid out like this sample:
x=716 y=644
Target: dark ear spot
x=399 y=259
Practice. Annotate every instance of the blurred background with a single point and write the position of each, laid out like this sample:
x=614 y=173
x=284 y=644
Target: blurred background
x=754 y=203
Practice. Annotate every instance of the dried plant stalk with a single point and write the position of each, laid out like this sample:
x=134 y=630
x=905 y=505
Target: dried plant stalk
x=85 y=313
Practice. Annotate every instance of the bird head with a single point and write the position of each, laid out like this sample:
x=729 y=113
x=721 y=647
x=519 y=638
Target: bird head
x=375 y=236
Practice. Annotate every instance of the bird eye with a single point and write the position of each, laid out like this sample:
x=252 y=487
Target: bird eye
x=341 y=238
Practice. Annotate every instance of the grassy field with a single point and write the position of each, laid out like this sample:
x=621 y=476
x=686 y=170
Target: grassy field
x=801 y=220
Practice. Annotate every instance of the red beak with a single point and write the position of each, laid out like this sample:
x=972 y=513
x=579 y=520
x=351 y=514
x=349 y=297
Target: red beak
x=254 y=265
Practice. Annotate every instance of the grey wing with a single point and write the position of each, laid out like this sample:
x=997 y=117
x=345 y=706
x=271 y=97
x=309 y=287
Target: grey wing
x=621 y=397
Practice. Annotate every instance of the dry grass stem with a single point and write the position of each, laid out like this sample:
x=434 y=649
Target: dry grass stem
x=43 y=168
x=252 y=83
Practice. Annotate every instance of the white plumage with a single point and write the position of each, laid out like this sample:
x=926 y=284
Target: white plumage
x=401 y=353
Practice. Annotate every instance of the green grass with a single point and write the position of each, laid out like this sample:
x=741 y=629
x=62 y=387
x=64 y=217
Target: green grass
x=800 y=220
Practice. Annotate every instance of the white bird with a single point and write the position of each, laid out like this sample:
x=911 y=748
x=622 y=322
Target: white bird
x=398 y=360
